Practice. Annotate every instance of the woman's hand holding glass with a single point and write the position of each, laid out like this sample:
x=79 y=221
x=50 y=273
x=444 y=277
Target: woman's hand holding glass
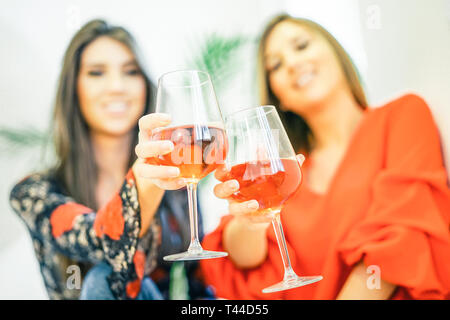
x=164 y=177
x=198 y=144
x=262 y=159
x=246 y=211
x=152 y=179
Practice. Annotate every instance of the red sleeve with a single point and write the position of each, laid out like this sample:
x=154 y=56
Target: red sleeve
x=406 y=229
x=231 y=282
x=80 y=233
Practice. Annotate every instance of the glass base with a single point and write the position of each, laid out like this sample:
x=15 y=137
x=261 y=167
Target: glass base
x=195 y=255
x=292 y=283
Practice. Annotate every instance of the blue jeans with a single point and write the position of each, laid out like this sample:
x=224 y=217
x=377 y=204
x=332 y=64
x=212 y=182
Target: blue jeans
x=96 y=287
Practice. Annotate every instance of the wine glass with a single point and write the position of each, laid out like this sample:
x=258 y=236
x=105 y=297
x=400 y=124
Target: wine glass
x=200 y=142
x=262 y=160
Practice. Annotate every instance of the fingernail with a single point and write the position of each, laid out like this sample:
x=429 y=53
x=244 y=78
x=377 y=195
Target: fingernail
x=233 y=184
x=253 y=204
x=224 y=169
x=174 y=171
x=165 y=116
x=167 y=145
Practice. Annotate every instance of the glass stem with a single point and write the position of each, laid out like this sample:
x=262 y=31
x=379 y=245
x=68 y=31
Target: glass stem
x=289 y=273
x=195 y=246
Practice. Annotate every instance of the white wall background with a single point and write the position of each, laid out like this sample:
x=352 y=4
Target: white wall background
x=398 y=45
x=408 y=49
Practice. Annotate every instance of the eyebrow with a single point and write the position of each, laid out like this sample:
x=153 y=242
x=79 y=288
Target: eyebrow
x=299 y=37
x=292 y=41
x=101 y=65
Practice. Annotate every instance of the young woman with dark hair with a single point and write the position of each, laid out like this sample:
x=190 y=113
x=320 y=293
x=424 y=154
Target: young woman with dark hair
x=91 y=209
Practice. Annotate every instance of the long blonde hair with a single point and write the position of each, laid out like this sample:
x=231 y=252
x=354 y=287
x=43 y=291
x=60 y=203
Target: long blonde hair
x=298 y=130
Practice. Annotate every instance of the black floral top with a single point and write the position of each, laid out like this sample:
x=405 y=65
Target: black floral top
x=62 y=229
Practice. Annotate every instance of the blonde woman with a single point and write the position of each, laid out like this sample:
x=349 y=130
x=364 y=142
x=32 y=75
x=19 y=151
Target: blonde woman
x=372 y=215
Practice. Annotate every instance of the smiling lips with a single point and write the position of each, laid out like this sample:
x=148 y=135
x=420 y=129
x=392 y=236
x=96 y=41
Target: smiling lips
x=305 y=75
x=305 y=79
x=117 y=108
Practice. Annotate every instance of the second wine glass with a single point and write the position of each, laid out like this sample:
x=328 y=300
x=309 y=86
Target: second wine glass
x=200 y=142
x=262 y=160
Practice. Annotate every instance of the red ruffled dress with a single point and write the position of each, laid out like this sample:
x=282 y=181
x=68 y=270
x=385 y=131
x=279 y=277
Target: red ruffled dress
x=388 y=204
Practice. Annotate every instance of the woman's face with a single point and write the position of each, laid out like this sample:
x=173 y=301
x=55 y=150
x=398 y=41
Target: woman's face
x=111 y=89
x=302 y=67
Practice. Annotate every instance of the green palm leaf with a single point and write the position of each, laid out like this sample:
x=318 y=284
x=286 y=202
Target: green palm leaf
x=19 y=139
x=219 y=56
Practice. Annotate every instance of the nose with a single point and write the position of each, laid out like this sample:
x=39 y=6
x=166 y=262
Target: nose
x=292 y=62
x=115 y=82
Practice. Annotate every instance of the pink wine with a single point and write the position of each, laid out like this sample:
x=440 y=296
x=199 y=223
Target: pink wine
x=198 y=151
x=270 y=183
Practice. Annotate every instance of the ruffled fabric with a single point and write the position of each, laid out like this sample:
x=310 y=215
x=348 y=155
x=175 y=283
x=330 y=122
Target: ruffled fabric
x=231 y=282
x=60 y=227
x=405 y=234
x=389 y=206
x=406 y=230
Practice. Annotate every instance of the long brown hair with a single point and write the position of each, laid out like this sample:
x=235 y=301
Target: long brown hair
x=76 y=168
x=298 y=130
